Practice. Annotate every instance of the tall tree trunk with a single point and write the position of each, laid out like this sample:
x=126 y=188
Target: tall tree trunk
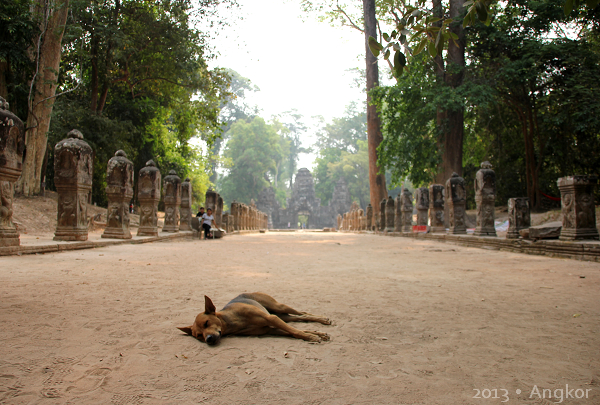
x=3 y=85
x=377 y=186
x=54 y=17
x=439 y=75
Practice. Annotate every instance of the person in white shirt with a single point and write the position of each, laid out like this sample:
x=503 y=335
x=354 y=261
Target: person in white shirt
x=207 y=222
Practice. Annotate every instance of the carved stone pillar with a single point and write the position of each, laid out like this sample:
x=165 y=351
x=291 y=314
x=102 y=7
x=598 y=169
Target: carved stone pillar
x=219 y=210
x=369 y=217
x=390 y=214
x=185 y=210
x=577 y=201
x=422 y=202
x=519 y=216
x=172 y=188
x=456 y=200
x=73 y=169
x=149 y=195
x=361 y=220
x=211 y=197
x=436 y=208
x=235 y=213
x=339 y=222
x=485 y=196
x=12 y=145
x=406 y=210
x=119 y=191
x=382 y=220
x=398 y=213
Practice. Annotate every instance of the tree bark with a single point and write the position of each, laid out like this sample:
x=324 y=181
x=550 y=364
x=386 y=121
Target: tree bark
x=377 y=185
x=54 y=18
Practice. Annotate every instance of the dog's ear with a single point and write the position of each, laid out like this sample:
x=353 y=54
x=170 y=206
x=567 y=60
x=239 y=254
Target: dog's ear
x=209 y=307
x=186 y=329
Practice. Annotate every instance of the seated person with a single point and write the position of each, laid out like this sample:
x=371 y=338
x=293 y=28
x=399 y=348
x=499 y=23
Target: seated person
x=207 y=221
x=200 y=213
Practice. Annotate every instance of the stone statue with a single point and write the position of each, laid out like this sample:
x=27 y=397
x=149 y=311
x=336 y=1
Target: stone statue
x=382 y=220
x=12 y=146
x=485 y=196
x=73 y=170
x=119 y=191
x=172 y=189
x=422 y=202
x=456 y=200
x=577 y=201
x=185 y=210
x=519 y=216
x=370 y=221
x=149 y=195
x=406 y=209
x=390 y=214
x=436 y=208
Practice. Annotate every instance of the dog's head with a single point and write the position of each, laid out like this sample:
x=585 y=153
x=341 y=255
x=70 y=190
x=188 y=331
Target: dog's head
x=207 y=326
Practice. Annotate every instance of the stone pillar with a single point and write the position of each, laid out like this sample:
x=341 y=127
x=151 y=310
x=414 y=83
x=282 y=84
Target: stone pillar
x=12 y=145
x=361 y=220
x=390 y=214
x=577 y=201
x=211 y=201
x=519 y=216
x=172 y=188
x=456 y=201
x=185 y=210
x=422 y=202
x=219 y=210
x=485 y=196
x=119 y=191
x=73 y=170
x=436 y=208
x=382 y=221
x=235 y=213
x=149 y=196
x=398 y=214
x=339 y=222
x=407 y=210
x=369 y=217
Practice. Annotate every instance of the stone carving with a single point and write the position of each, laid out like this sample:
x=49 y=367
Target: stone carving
x=73 y=170
x=436 y=208
x=149 y=195
x=406 y=210
x=485 y=196
x=398 y=213
x=390 y=214
x=382 y=221
x=519 y=216
x=172 y=190
x=577 y=201
x=422 y=203
x=119 y=191
x=370 y=218
x=219 y=210
x=456 y=200
x=185 y=210
x=12 y=145
x=362 y=221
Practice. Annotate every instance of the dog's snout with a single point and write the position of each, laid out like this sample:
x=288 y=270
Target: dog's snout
x=212 y=339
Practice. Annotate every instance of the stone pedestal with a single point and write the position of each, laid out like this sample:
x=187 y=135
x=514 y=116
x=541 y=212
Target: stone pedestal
x=12 y=145
x=149 y=196
x=422 y=202
x=382 y=220
x=577 y=201
x=485 y=196
x=370 y=217
x=406 y=210
x=73 y=170
x=436 y=208
x=172 y=189
x=119 y=191
x=185 y=210
x=519 y=216
x=456 y=201
x=390 y=214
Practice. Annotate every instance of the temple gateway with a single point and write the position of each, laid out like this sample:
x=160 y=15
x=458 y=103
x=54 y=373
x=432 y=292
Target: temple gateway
x=303 y=206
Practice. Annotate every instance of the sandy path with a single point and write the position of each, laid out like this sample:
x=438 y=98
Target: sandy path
x=415 y=322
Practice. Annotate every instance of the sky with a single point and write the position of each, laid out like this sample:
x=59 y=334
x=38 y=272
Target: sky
x=296 y=64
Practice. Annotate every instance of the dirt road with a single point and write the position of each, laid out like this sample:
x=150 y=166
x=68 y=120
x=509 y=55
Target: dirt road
x=415 y=322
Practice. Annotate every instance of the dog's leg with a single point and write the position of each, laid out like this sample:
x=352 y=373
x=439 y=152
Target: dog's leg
x=304 y=318
x=311 y=336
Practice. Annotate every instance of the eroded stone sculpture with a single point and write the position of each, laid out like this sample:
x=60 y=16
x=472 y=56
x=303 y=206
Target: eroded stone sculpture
x=577 y=201
x=436 y=208
x=12 y=145
x=382 y=221
x=456 y=200
x=185 y=210
x=406 y=210
x=119 y=191
x=148 y=196
x=485 y=196
x=73 y=170
x=398 y=213
x=422 y=203
x=390 y=214
x=519 y=216
x=370 y=217
x=172 y=189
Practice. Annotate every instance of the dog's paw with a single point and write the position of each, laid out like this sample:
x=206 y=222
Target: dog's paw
x=326 y=321
x=318 y=336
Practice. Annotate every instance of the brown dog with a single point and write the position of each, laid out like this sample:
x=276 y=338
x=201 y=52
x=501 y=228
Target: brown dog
x=252 y=314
